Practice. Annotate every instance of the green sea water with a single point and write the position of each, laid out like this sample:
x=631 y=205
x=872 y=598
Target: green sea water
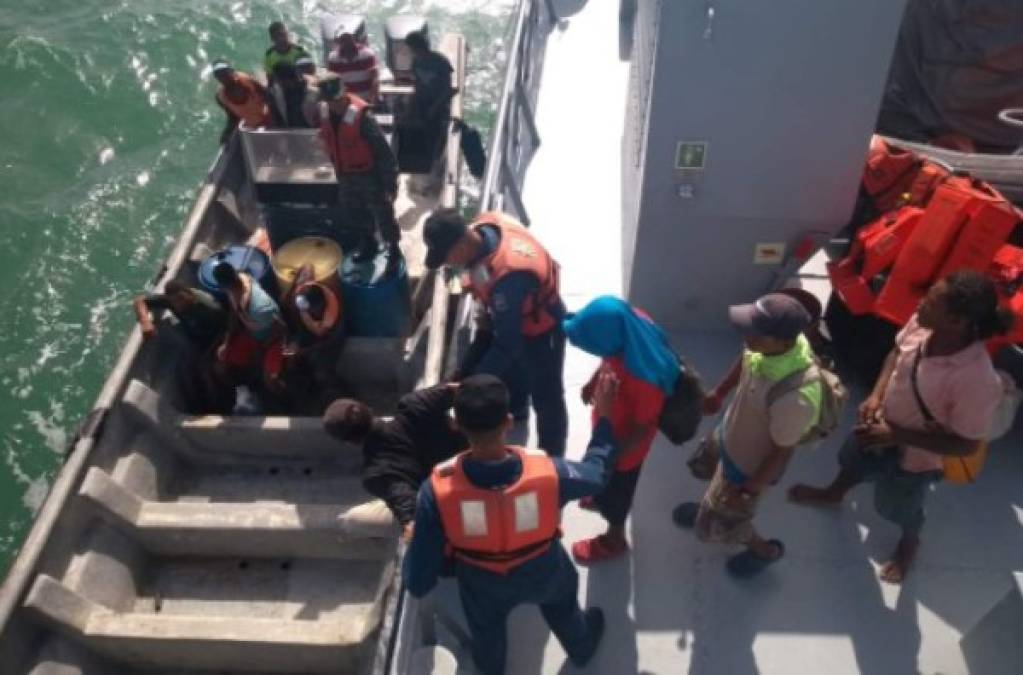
x=107 y=124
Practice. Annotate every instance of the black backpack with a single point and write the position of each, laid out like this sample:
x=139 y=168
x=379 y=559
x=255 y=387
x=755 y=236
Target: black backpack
x=683 y=410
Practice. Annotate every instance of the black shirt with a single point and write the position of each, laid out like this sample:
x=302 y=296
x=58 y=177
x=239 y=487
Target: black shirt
x=432 y=73
x=399 y=455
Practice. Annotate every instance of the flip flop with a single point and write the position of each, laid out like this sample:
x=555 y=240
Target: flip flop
x=685 y=514
x=595 y=550
x=588 y=504
x=748 y=564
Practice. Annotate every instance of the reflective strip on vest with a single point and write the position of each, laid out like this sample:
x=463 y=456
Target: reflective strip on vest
x=474 y=518
x=527 y=512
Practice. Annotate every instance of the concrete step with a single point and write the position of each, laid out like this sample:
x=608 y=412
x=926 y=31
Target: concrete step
x=145 y=640
x=261 y=529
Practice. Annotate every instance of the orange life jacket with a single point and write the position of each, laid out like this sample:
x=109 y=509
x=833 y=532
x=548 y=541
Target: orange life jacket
x=346 y=146
x=331 y=312
x=965 y=224
x=498 y=530
x=895 y=177
x=253 y=111
x=518 y=251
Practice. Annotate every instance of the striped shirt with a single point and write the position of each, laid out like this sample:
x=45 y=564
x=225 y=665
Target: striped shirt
x=358 y=74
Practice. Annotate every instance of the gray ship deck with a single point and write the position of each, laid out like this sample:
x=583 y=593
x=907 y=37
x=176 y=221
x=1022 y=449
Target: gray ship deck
x=670 y=606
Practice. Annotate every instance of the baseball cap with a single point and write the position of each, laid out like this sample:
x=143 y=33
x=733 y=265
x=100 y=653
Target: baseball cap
x=441 y=233
x=774 y=315
x=481 y=403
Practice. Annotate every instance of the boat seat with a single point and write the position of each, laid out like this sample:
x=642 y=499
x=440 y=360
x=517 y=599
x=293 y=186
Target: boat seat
x=220 y=439
x=261 y=529
x=203 y=642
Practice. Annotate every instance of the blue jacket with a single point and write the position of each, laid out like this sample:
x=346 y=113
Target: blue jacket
x=425 y=558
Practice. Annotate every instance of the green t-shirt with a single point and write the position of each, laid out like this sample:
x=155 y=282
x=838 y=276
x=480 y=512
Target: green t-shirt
x=274 y=57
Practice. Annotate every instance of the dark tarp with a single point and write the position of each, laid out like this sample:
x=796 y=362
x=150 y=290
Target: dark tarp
x=957 y=64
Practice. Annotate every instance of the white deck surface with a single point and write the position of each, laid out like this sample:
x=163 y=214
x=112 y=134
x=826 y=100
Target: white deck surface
x=670 y=606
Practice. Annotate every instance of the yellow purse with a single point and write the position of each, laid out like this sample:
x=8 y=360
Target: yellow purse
x=965 y=469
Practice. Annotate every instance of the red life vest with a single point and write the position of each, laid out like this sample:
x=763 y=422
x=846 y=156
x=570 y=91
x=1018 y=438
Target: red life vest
x=498 y=530
x=357 y=74
x=253 y=111
x=518 y=251
x=350 y=152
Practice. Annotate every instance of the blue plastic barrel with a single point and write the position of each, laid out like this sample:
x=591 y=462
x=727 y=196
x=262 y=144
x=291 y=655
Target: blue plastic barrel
x=246 y=259
x=376 y=304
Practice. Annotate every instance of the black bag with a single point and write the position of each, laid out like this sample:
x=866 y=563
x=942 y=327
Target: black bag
x=472 y=148
x=683 y=410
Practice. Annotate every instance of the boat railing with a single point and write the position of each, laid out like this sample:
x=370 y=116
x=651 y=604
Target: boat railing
x=514 y=140
x=514 y=136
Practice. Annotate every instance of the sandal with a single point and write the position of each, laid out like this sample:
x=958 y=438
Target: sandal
x=597 y=549
x=748 y=564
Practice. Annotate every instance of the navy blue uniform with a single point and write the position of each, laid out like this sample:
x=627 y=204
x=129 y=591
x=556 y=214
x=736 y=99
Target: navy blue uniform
x=531 y=367
x=550 y=580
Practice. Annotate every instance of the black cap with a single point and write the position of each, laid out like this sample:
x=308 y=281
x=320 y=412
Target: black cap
x=441 y=232
x=774 y=315
x=481 y=403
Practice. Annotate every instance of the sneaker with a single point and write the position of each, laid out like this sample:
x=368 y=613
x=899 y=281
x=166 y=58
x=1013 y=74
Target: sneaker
x=598 y=549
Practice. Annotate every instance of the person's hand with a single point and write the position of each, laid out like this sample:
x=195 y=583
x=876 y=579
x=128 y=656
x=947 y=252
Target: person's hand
x=407 y=530
x=605 y=392
x=148 y=331
x=874 y=435
x=870 y=410
x=222 y=352
x=587 y=392
x=712 y=403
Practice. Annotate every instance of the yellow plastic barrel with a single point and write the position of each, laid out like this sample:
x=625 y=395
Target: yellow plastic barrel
x=322 y=254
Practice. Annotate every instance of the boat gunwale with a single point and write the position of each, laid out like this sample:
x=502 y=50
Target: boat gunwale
x=19 y=575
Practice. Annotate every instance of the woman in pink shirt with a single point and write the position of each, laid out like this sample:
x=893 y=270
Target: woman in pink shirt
x=936 y=397
x=635 y=349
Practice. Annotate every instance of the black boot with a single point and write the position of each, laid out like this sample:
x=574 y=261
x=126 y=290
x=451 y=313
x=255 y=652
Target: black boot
x=394 y=258
x=366 y=250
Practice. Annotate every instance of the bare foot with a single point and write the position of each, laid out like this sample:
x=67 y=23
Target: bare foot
x=812 y=496
x=895 y=570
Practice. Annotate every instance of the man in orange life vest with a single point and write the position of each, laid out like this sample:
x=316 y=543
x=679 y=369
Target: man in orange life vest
x=520 y=338
x=366 y=168
x=242 y=98
x=495 y=510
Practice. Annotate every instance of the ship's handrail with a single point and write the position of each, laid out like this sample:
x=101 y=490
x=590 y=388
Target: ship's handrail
x=508 y=155
x=514 y=140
